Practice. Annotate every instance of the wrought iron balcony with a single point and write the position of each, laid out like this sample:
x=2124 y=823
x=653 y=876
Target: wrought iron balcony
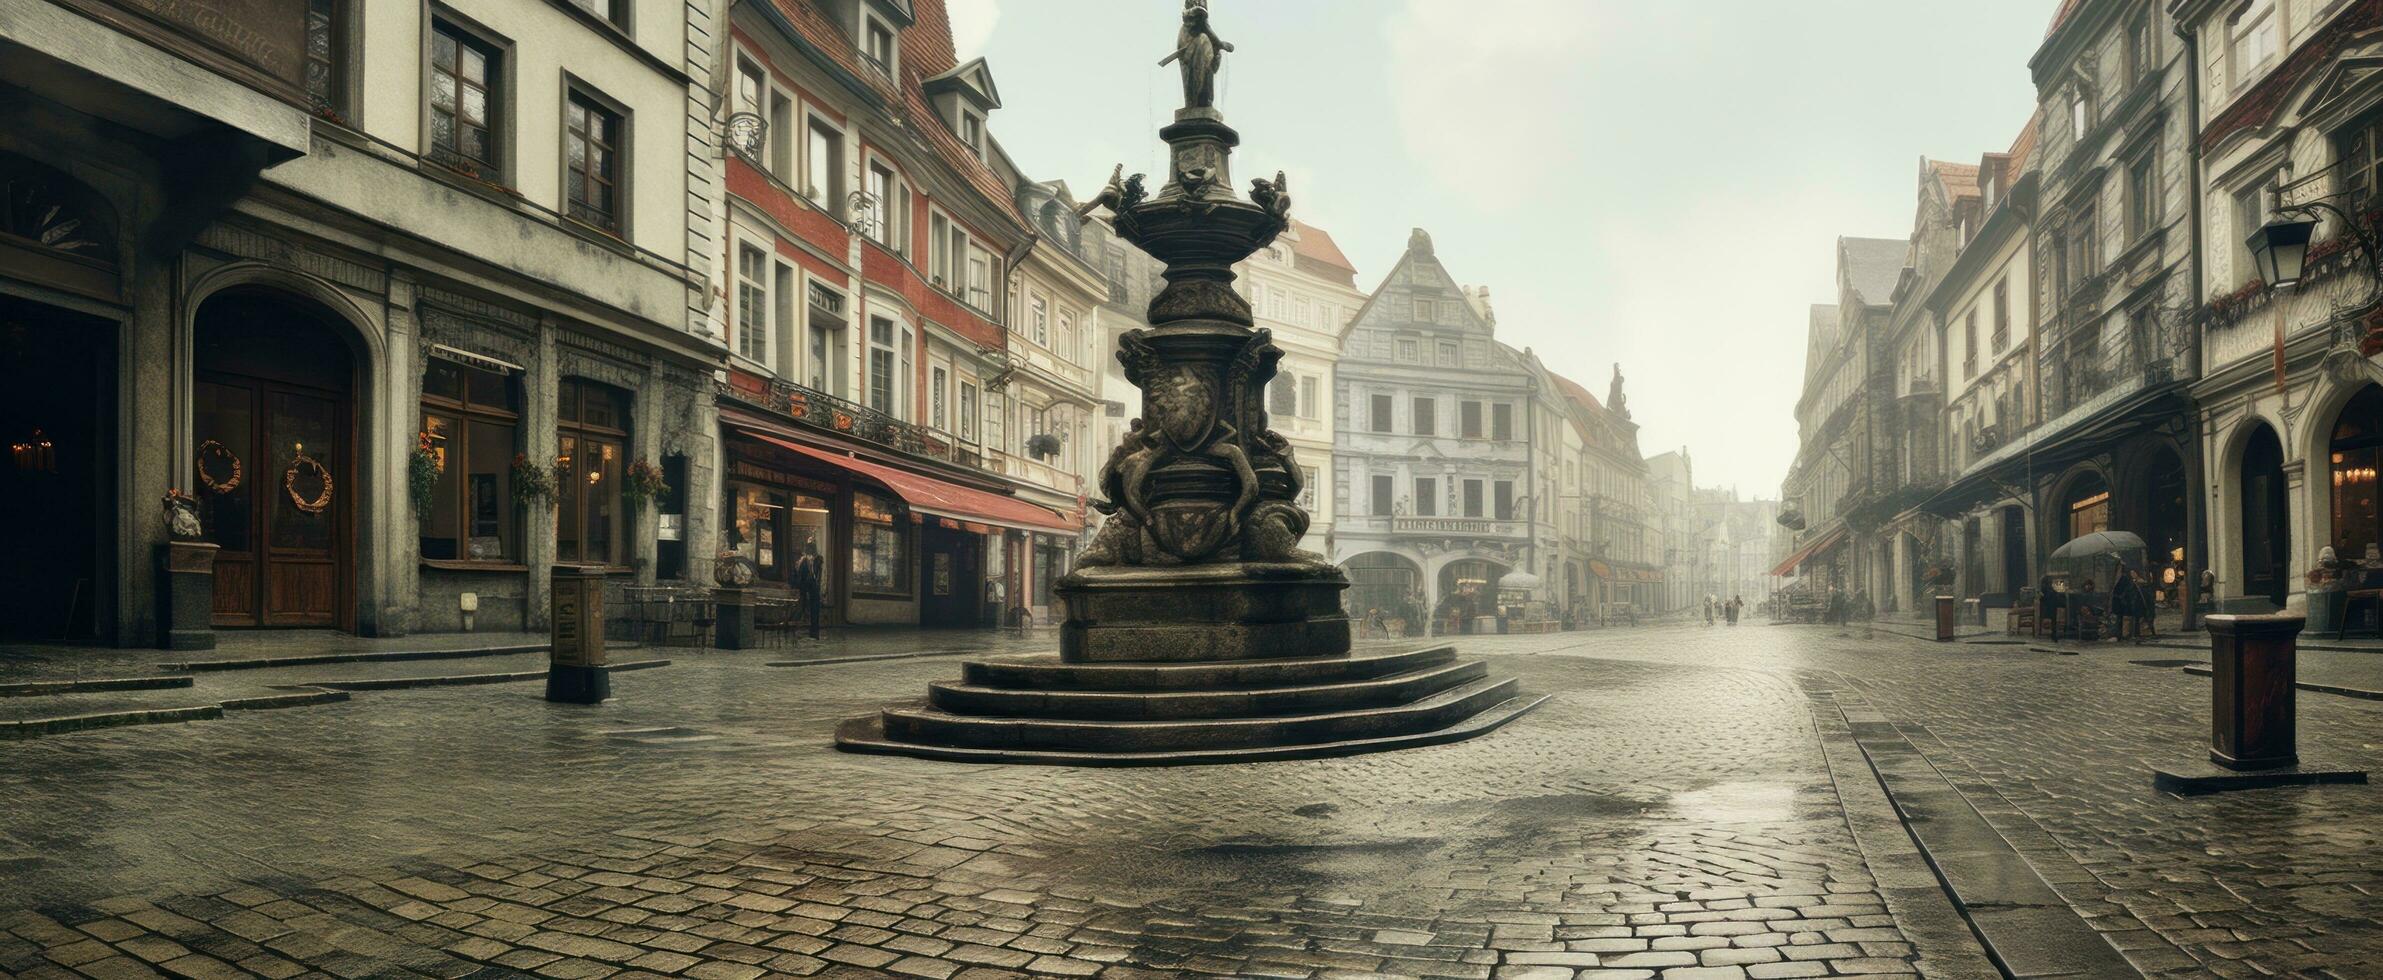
x=828 y=413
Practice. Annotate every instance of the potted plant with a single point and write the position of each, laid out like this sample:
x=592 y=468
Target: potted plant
x=422 y=470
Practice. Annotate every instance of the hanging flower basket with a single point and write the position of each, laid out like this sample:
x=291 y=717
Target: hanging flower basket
x=422 y=470
x=533 y=484
x=643 y=483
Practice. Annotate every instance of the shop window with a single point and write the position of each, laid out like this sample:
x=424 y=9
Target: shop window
x=470 y=429
x=591 y=523
x=772 y=528
x=880 y=544
x=2357 y=451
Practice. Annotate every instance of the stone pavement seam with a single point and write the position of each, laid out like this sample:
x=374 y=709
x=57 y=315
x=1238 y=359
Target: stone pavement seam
x=1947 y=948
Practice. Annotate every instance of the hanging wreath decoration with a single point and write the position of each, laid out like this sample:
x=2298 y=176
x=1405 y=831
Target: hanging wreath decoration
x=289 y=485
x=213 y=452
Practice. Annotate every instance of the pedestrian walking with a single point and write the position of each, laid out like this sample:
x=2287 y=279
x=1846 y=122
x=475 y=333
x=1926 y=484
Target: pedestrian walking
x=807 y=584
x=1737 y=604
x=1708 y=609
x=2128 y=606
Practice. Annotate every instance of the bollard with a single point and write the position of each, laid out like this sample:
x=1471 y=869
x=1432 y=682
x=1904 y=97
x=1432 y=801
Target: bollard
x=186 y=595
x=575 y=672
x=2253 y=660
x=1944 y=619
x=734 y=630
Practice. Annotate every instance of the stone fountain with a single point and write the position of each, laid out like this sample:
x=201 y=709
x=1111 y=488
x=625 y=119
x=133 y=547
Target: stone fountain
x=1196 y=629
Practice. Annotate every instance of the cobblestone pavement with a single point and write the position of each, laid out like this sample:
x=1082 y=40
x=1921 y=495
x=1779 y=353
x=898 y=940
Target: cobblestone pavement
x=1655 y=819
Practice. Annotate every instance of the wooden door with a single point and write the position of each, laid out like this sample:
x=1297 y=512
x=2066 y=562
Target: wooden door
x=283 y=526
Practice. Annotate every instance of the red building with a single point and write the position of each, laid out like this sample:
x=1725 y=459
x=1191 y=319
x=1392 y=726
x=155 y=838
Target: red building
x=865 y=255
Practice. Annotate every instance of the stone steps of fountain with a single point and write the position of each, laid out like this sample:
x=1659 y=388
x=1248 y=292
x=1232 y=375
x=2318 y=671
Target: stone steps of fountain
x=867 y=734
x=1052 y=674
x=1391 y=689
x=923 y=724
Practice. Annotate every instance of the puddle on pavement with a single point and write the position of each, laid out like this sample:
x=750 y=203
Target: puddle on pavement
x=1742 y=801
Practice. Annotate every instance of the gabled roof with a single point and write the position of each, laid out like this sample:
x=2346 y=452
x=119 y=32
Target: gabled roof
x=1959 y=180
x=1871 y=266
x=1422 y=256
x=975 y=77
x=2023 y=148
x=926 y=51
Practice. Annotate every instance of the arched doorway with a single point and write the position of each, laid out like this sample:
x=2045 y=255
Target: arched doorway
x=1468 y=586
x=273 y=420
x=1384 y=581
x=2355 y=453
x=2084 y=507
x=2266 y=535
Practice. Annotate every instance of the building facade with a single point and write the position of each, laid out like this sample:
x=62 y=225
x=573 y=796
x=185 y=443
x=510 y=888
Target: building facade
x=1433 y=448
x=1304 y=290
x=872 y=254
x=1839 y=420
x=1679 y=531
x=2290 y=397
x=365 y=326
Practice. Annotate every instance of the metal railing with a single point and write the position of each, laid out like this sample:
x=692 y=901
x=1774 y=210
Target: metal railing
x=828 y=413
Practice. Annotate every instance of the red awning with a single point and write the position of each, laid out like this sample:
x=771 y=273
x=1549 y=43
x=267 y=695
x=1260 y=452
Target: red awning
x=1818 y=545
x=935 y=496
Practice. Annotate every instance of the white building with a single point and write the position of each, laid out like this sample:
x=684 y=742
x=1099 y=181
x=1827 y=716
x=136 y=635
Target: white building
x=1304 y=290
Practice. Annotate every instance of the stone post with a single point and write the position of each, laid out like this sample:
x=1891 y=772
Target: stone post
x=186 y=595
x=575 y=673
x=2253 y=709
x=1944 y=619
x=734 y=631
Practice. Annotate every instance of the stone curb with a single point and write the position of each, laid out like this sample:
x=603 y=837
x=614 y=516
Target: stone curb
x=462 y=680
x=2334 y=689
x=862 y=735
x=37 y=727
x=315 y=659
x=874 y=657
x=20 y=689
x=295 y=699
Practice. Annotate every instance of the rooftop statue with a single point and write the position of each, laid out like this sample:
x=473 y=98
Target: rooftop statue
x=1201 y=52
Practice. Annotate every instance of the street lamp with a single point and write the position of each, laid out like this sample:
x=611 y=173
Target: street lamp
x=2281 y=249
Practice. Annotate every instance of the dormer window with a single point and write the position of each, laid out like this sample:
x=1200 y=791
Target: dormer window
x=2251 y=42
x=877 y=44
x=972 y=132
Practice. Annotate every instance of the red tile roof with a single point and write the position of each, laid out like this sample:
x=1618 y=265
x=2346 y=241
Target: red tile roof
x=1959 y=180
x=1317 y=244
x=926 y=52
x=1575 y=392
x=2024 y=147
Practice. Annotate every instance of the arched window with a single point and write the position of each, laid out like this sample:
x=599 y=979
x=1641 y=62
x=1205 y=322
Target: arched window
x=2357 y=449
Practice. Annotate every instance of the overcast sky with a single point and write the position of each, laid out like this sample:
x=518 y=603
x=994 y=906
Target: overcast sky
x=1655 y=183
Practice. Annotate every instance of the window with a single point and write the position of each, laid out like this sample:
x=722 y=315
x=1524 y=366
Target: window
x=752 y=304
x=592 y=137
x=980 y=278
x=824 y=181
x=1307 y=489
x=2252 y=42
x=781 y=136
x=1472 y=498
x=2002 y=314
x=1040 y=320
x=327 y=56
x=593 y=450
x=1447 y=353
x=1381 y=496
x=1427 y=418
x=877 y=44
x=968 y=410
x=972 y=132
x=1468 y=420
x=1969 y=345
x=470 y=424
x=2085 y=249
x=1501 y=422
x=1424 y=311
x=880 y=544
x=2142 y=196
x=1406 y=351
x=2362 y=164
x=1282 y=395
x=889 y=202
x=464 y=97
x=827 y=340
x=1381 y=413
x=946 y=248
x=2143 y=51
x=2080 y=113
x=751 y=82
x=1427 y=496
x=938 y=397
x=881 y=364
x=612 y=11
x=1307 y=397
x=1067 y=337
x=782 y=328
x=1502 y=494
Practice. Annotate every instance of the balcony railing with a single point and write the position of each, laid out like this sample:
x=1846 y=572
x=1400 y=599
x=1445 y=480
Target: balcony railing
x=1034 y=471
x=828 y=413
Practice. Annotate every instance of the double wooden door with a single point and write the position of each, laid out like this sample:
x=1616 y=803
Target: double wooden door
x=283 y=523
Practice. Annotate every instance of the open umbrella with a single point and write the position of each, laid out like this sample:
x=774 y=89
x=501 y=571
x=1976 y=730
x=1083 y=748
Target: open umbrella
x=2098 y=552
